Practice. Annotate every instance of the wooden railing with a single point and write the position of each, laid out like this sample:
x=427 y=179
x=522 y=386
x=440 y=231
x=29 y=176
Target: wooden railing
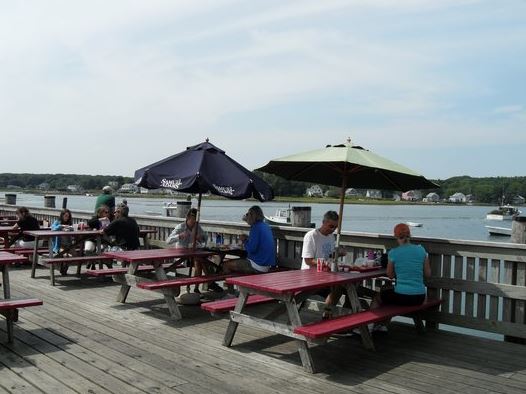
x=483 y=284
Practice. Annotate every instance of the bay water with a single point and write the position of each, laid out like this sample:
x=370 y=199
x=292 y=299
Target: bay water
x=439 y=221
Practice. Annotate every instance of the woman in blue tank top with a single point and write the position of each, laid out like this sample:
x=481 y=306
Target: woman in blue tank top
x=408 y=264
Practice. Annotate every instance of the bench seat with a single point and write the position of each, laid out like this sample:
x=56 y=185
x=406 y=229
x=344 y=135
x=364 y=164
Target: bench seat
x=222 y=306
x=10 y=304
x=178 y=282
x=124 y=270
x=75 y=260
x=325 y=328
x=9 y=309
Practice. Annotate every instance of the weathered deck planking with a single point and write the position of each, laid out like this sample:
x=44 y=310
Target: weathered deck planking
x=81 y=340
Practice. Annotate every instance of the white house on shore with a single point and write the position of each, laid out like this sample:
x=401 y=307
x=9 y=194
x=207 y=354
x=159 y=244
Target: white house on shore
x=129 y=188
x=373 y=193
x=432 y=197
x=518 y=200
x=74 y=188
x=412 y=195
x=314 y=191
x=458 y=198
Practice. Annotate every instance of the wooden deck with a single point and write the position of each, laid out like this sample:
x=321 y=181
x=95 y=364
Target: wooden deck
x=81 y=340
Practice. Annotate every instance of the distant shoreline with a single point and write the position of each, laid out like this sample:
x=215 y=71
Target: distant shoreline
x=282 y=199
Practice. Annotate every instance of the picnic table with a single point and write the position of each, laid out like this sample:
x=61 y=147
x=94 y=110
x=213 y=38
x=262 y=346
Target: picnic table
x=155 y=257
x=47 y=234
x=293 y=288
x=6 y=259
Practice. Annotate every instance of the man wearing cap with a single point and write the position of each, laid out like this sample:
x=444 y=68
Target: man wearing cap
x=106 y=198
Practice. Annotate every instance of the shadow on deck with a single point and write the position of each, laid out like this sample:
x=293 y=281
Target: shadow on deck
x=81 y=340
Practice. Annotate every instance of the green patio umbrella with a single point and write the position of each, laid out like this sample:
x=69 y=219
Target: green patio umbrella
x=347 y=166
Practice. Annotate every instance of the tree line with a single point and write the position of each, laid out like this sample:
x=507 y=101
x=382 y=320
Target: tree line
x=489 y=190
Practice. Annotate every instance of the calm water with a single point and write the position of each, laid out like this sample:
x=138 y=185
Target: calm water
x=454 y=222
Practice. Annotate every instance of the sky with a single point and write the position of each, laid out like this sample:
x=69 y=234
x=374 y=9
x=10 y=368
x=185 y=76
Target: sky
x=107 y=87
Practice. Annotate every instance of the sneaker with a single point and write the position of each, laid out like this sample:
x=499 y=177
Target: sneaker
x=215 y=287
x=375 y=327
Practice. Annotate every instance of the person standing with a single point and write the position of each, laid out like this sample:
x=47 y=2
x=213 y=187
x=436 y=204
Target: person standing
x=106 y=198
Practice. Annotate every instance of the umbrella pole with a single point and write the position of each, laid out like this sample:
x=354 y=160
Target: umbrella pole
x=197 y=220
x=340 y=214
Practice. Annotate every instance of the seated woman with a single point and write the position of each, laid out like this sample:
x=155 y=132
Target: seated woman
x=98 y=222
x=62 y=245
x=26 y=222
x=260 y=246
x=182 y=236
x=408 y=264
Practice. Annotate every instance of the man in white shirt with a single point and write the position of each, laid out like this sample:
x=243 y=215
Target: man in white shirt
x=320 y=242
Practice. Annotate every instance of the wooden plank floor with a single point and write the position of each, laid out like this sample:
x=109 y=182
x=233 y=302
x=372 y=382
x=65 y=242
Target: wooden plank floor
x=81 y=340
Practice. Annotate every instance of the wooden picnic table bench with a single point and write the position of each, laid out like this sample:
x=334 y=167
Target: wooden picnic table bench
x=9 y=309
x=123 y=270
x=76 y=260
x=155 y=257
x=228 y=305
x=323 y=329
x=292 y=288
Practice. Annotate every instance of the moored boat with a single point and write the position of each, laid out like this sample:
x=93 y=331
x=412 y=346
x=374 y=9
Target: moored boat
x=414 y=224
x=504 y=212
x=280 y=218
x=504 y=231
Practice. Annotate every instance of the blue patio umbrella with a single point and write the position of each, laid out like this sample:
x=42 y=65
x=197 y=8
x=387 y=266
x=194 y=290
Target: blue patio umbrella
x=204 y=168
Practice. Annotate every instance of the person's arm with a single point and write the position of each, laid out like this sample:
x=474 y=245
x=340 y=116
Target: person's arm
x=252 y=242
x=390 y=270
x=427 y=268
x=175 y=235
x=56 y=226
x=308 y=252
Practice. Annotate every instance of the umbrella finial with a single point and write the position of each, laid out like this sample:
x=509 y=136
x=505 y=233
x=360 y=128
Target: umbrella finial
x=206 y=140
x=349 y=141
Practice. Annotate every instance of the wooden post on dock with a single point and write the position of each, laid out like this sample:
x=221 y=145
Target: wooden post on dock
x=301 y=216
x=518 y=277
x=49 y=201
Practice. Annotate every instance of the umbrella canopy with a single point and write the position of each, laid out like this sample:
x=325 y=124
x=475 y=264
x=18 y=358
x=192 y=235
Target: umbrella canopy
x=204 y=168
x=347 y=166
x=352 y=165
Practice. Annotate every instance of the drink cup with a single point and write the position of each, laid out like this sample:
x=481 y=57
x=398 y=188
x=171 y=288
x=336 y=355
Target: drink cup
x=75 y=226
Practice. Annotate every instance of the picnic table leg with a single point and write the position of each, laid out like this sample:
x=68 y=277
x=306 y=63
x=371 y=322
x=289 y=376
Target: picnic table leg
x=52 y=274
x=367 y=340
x=35 y=256
x=11 y=317
x=5 y=281
x=303 y=346
x=169 y=294
x=125 y=289
x=232 y=325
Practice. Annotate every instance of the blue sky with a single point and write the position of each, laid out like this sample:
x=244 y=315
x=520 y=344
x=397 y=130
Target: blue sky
x=106 y=87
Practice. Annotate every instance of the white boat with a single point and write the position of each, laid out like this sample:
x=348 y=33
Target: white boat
x=414 y=224
x=280 y=218
x=499 y=230
x=504 y=212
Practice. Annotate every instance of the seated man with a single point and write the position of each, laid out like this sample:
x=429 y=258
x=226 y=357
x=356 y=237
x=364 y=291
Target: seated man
x=260 y=246
x=124 y=229
x=320 y=243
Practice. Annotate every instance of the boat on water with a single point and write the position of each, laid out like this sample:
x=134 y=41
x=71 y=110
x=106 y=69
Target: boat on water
x=504 y=231
x=504 y=212
x=414 y=224
x=280 y=218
